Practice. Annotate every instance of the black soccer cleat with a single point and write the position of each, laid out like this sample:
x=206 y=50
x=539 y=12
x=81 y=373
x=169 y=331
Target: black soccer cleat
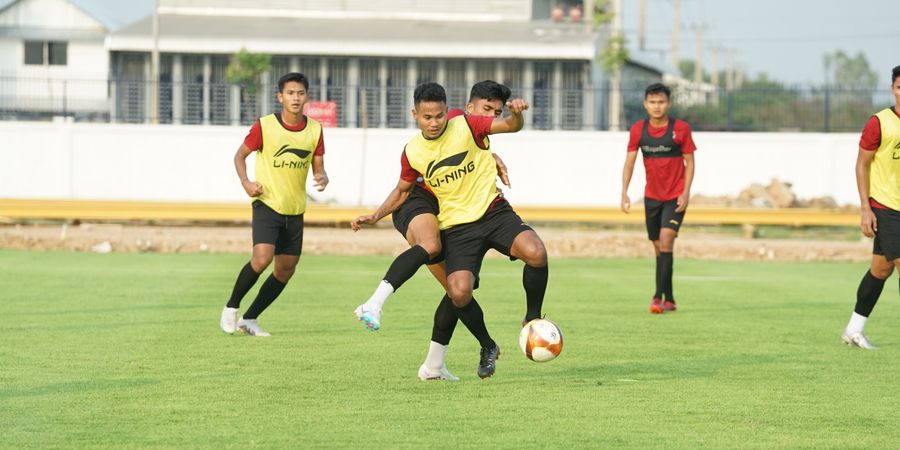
x=488 y=362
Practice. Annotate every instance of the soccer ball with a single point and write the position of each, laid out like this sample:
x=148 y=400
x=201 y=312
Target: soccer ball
x=541 y=340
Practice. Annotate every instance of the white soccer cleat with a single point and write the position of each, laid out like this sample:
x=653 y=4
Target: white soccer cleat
x=251 y=327
x=229 y=319
x=858 y=340
x=426 y=374
x=369 y=316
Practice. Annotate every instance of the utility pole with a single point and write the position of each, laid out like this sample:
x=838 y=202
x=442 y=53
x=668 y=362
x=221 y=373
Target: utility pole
x=154 y=66
x=729 y=69
x=615 y=82
x=642 y=24
x=698 y=59
x=714 y=76
x=676 y=28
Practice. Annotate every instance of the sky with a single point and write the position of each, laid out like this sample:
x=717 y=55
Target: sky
x=785 y=39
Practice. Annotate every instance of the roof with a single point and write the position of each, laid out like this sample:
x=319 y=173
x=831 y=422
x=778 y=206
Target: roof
x=112 y=14
x=349 y=37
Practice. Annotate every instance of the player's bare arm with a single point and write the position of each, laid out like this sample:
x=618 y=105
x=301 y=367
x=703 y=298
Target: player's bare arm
x=867 y=222
x=501 y=170
x=515 y=121
x=252 y=188
x=320 y=177
x=390 y=204
x=685 y=197
x=627 y=172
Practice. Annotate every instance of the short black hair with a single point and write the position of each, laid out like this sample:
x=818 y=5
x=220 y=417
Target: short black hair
x=429 y=92
x=293 y=76
x=895 y=74
x=657 y=88
x=490 y=90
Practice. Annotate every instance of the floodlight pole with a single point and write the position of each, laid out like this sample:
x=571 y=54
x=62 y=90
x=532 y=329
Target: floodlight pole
x=154 y=66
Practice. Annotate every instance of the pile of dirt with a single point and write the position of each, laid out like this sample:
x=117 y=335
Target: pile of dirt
x=777 y=194
x=562 y=243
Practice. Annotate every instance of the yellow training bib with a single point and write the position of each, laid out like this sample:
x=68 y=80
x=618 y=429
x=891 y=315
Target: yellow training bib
x=884 y=172
x=282 y=163
x=461 y=174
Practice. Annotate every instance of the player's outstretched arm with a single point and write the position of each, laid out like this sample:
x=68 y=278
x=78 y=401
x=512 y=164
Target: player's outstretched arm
x=867 y=222
x=319 y=175
x=390 y=204
x=252 y=188
x=685 y=197
x=515 y=121
x=627 y=172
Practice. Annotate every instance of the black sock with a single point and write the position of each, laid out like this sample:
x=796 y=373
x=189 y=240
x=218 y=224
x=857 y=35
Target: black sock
x=658 y=293
x=666 y=260
x=245 y=280
x=444 y=321
x=472 y=317
x=405 y=266
x=535 y=281
x=867 y=295
x=269 y=291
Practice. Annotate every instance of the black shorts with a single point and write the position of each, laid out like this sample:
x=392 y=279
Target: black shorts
x=465 y=245
x=420 y=201
x=661 y=214
x=887 y=238
x=270 y=227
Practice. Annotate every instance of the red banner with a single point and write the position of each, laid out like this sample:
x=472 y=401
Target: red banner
x=323 y=112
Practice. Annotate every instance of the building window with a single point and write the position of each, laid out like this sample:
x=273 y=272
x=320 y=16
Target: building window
x=34 y=53
x=40 y=53
x=57 y=53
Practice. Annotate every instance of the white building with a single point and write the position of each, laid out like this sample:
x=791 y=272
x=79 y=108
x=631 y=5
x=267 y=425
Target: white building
x=53 y=56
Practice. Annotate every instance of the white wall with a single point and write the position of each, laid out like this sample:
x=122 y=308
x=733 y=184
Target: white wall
x=194 y=163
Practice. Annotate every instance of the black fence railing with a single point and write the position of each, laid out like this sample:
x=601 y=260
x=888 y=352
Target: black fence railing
x=806 y=109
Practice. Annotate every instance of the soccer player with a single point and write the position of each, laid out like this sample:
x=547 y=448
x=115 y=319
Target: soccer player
x=286 y=145
x=416 y=220
x=668 y=151
x=878 y=182
x=452 y=159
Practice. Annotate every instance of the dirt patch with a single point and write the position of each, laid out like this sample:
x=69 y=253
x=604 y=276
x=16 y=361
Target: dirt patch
x=88 y=237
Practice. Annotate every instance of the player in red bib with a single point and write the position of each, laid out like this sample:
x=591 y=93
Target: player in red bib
x=668 y=151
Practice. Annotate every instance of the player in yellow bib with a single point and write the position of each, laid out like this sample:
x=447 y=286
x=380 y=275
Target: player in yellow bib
x=286 y=144
x=878 y=182
x=453 y=161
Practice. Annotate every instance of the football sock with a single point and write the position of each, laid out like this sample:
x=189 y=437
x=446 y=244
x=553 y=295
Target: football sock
x=472 y=317
x=269 y=291
x=666 y=261
x=405 y=266
x=381 y=294
x=867 y=295
x=444 y=321
x=856 y=324
x=535 y=281
x=436 y=355
x=658 y=293
x=245 y=280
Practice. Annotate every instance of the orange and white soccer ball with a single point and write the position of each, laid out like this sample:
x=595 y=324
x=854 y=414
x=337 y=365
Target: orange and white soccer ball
x=541 y=340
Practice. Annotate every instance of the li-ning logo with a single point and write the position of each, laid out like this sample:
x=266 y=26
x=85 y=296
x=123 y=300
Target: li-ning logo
x=454 y=174
x=896 y=154
x=302 y=154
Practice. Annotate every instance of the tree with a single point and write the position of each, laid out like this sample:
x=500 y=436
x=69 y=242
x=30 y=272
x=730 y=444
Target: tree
x=245 y=69
x=850 y=72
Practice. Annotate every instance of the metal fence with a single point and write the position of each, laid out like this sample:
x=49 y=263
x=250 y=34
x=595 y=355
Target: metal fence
x=387 y=105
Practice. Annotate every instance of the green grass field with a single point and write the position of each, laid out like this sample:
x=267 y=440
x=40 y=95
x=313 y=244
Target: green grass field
x=124 y=350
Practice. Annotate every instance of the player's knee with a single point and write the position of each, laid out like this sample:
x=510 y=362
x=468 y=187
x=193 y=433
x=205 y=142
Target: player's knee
x=283 y=274
x=536 y=255
x=460 y=292
x=260 y=262
x=432 y=247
